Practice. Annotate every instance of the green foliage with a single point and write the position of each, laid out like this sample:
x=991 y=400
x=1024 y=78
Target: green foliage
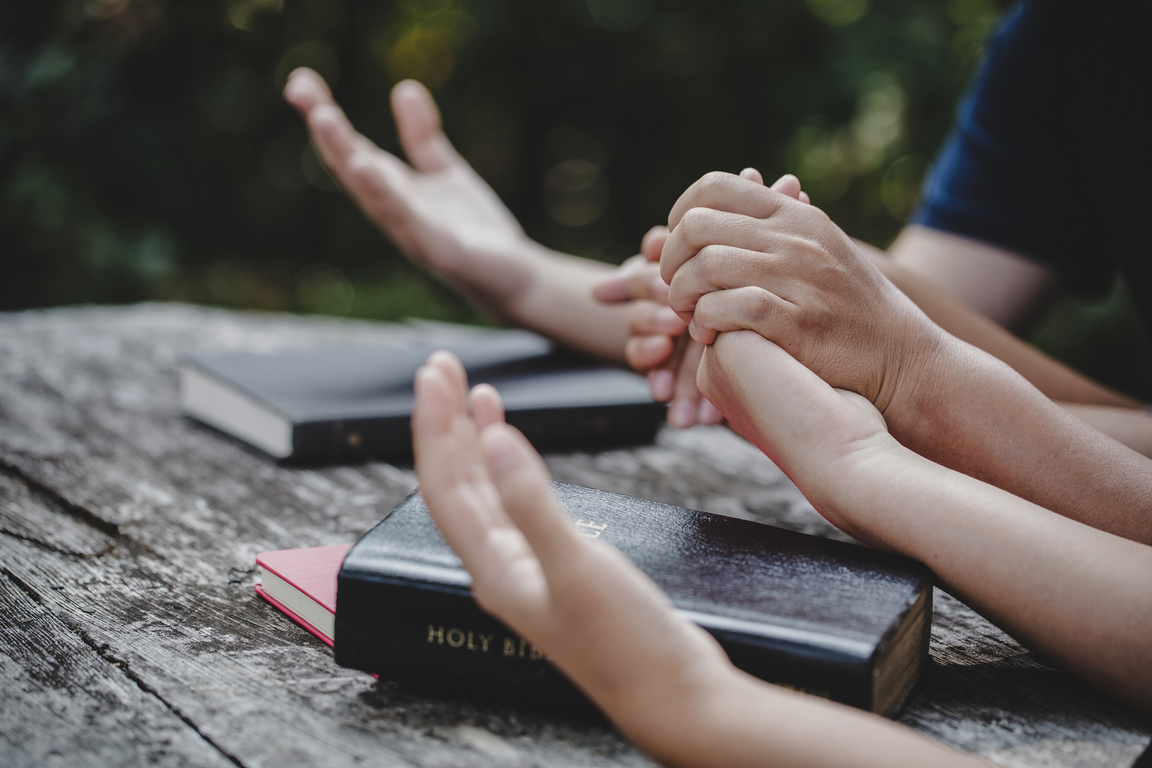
x=145 y=152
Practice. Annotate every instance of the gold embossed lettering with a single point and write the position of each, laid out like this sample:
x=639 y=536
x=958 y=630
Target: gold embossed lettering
x=455 y=637
x=590 y=529
x=435 y=634
x=484 y=640
x=534 y=653
x=509 y=647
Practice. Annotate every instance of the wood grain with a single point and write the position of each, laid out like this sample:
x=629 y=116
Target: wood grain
x=131 y=635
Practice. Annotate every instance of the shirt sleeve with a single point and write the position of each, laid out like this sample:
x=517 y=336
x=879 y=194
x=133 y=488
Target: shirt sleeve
x=983 y=184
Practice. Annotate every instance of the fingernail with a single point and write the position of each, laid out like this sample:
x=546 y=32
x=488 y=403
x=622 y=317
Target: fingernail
x=661 y=383
x=709 y=414
x=682 y=414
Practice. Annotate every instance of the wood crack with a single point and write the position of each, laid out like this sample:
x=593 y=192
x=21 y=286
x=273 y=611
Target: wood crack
x=59 y=503
x=52 y=547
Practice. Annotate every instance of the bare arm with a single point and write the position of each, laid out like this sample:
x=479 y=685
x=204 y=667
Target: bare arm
x=662 y=680
x=742 y=256
x=975 y=292
x=1077 y=594
x=443 y=216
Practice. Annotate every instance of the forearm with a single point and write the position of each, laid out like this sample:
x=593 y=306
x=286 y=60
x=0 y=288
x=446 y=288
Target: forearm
x=739 y=721
x=1131 y=427
x=1075 y=594
x=970 y=412
x=1051 y=377
x=555 y=299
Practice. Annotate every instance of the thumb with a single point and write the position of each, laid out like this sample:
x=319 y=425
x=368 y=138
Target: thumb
x=420 y=129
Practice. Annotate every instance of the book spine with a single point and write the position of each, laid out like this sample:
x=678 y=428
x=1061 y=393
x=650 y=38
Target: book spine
x=547 y=429
x=437 y=637
x=440 y=639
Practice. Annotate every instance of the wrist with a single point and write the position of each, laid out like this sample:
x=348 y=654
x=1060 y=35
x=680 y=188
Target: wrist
x=922 y=376
x=497 y=287
x=679 y=720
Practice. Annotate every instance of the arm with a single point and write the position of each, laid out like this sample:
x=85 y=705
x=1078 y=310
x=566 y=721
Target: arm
x=443 y=216
x=1074 y=593
x=661 y=679
x=741 y=256
x=975 y=291
x=657 y=342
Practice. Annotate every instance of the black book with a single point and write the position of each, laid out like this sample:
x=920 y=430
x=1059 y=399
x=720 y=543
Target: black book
x=829 y=618
x=353 y=402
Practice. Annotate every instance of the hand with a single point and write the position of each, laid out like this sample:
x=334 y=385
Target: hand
x=743 y=256
x=657 y=344
x=825 y=440
x=601 y=621
x=437 y=210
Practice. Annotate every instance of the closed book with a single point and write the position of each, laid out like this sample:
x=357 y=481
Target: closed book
x=349 y=403
x=822 y=616
x=302 y=584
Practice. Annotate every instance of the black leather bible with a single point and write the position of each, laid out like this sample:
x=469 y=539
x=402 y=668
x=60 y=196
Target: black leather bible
x=339 y=404
x=822 y=616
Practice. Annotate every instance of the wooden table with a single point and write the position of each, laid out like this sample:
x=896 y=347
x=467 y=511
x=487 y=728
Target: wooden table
x=130 y=633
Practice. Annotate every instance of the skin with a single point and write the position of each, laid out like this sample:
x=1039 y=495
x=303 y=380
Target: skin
x=659 y=345
x=443 y=216
x=661 y=679
x=446 y=219
x=1072 y=592
x=1070 y=589
x=743 y=256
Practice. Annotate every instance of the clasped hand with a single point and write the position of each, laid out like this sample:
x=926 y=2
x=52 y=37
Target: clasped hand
x=744 y=256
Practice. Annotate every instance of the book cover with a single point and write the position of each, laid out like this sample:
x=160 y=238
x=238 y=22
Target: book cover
x=302 y=584
x=829 y=618
x=354 y=402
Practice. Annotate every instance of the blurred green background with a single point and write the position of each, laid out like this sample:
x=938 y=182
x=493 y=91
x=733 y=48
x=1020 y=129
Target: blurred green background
x=145 y=152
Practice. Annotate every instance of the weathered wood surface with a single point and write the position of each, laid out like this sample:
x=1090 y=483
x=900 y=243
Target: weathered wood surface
x=130 y=634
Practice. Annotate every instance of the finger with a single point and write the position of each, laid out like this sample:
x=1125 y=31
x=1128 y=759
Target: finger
x=727 y=192
x=722 y=267
x=614 y=288
x=653 y=243
x=525 y=489
x=748 y=308
x=770 y=397
x=487 y=405
x=448 y=462
x=634 y=279
x=686 y=396
x=643 y=353
x=305 y=89
x=788 y=185
x=334 y=137
x=662 y=383
x=454 y=370
x=709 y=414
x=419 y=127
x=805 y=199
x=380 y=184
x=752 y=175
x=702 y=227
x=648 y=318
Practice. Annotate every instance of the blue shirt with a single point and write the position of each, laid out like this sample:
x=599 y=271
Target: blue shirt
x=1051 y=155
